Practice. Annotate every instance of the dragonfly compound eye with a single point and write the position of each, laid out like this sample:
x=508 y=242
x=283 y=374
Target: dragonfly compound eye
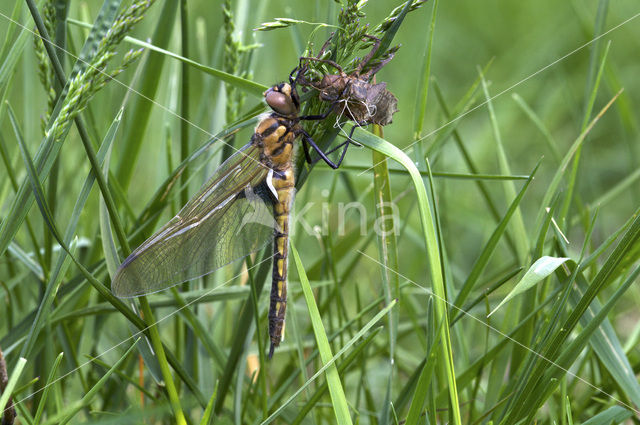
x=280 y=100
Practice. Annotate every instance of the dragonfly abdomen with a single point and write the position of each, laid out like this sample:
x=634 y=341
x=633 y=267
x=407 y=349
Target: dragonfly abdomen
x=283 y=182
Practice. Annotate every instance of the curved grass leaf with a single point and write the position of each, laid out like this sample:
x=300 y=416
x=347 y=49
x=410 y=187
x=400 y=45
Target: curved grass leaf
x=539 y=270
x=433 y=253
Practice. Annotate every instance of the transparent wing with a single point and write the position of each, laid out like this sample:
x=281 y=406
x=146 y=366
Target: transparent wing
x=230 y=217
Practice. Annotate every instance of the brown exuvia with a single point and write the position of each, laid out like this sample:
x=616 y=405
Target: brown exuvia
x=353 y=95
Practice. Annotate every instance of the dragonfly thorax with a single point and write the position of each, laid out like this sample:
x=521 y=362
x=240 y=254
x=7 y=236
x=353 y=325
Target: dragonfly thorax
x=274 y=136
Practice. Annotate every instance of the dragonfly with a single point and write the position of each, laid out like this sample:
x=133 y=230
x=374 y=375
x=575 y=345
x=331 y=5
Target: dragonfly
x=242 y=207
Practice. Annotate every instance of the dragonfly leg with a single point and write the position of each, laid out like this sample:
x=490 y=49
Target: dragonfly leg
x=319 y=117
x=306 y=138
x=348 y=142
x=344 y=145
x=344 y=151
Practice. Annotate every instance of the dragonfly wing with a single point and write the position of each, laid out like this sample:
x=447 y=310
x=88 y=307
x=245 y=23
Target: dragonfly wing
x=230 y=217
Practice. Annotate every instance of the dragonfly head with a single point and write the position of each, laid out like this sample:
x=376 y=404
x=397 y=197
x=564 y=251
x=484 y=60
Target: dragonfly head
x=283 y=99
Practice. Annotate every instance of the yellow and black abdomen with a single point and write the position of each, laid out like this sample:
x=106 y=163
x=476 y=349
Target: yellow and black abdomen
x=283 y=182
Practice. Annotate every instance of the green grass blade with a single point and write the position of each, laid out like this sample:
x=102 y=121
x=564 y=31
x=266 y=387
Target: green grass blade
x=454 y=118
x=26 y=260
x=207 y=415
x=342 y=369
x=422 y=92
x=45 y=305
x=388 y=255
x=465 y=104
x=47 y=387
x=241 y=329
x=355 y=321
x=390 y=33
x=419 y=400
x=466 y=377
x=517 y=224
x=571 y=351
x=552 y=145
x=184 y=99
x=339 y=401
x=8 y=37
x=108 y=245
x=568 y=199
x=431 y=243
x=525 y=404
x=10 y=60
x=11 y=383
x=164 y=364
x=251 y=87
x=607 y=346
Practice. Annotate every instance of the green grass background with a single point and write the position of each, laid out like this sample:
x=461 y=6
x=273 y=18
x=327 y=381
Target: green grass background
x=570 y=364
